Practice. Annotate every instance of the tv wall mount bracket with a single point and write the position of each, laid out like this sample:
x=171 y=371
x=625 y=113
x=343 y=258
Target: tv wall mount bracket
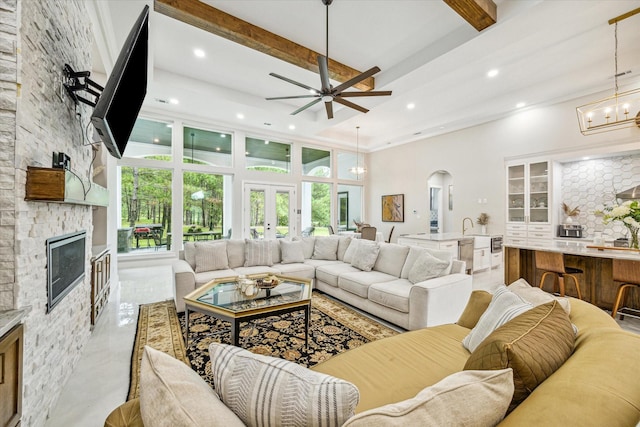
x=76 y=82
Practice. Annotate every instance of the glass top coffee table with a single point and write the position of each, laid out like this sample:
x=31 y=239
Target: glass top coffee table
x=224 y=300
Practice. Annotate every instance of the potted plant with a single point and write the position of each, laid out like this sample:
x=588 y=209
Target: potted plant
x=570 y=212
x=483 y=220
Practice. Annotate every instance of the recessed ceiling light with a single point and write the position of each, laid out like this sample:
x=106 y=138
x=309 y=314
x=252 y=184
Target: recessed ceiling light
x=199 y=53
x=217 y=148
x=441 y=127
x=223 y=135
x=169 y=125
x=240 y=116
x=586 y=158
x=292 y=127
x=520 y=104
x=266 y=142
x=174 y=101
x=156 y=140
x=246 y=153
x=493 y=73
x=411 y=106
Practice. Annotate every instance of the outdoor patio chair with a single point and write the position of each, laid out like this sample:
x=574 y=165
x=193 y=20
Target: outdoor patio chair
x=308 y=232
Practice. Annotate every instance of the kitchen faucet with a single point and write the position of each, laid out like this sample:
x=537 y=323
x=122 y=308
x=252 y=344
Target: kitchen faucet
x=464 y=229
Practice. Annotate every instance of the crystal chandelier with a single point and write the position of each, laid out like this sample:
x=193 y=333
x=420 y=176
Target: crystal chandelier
x=357 y=169
x=619 y=111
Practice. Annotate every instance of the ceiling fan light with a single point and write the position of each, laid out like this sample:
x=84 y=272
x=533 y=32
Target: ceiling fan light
x=327 y=98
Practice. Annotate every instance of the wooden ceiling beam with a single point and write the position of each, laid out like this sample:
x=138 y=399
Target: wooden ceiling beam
x=479 y=13
x=215 y=21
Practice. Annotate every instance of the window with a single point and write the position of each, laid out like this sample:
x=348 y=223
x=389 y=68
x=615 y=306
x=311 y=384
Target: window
x=207 y=147
x=349 y=206
x=316 y=207
x=316 y=162
x=150 y=139
x=346 y=161
x=203 y=204
x=145 y=209
x=266 y=155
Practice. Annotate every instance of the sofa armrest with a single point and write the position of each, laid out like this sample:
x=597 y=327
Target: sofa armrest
x=438 y=301
x=184 y=282
x=458 y=266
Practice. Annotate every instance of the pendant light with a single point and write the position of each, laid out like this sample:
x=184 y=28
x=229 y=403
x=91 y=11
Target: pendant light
x=358 y=170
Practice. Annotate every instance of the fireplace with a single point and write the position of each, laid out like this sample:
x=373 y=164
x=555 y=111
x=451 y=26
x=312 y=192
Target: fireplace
x=65 y=265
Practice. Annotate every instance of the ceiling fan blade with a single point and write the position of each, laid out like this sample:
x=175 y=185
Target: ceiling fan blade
x=356 y=79
x=350 y=104
x=329 y=108
x=370 y=93
x=314 y=102
x=293 y=82
x=292 y=97
x=324 y=73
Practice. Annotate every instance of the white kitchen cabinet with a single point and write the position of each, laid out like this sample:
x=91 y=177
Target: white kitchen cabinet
x=496 y=259
x=426 y=242
x=481 y=253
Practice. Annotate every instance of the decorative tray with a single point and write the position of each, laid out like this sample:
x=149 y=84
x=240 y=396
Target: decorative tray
x=267 y=282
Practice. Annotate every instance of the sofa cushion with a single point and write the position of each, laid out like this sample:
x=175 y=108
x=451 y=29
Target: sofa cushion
x=207 y=276
x=393 y=294
x=427 y=267
x=291 y=251
x=325 y=248
x=235 y=252
x=172 y=394
x=298 y=269
x=504 y=306
x=391 y=258
x=365 y=255
x=276 y=255
x=190 y=254
x=478 y=303
x=358 y=283
x=329 y=273
x=268 y=391
x=309 y=243
x=343 y=245
x=351 y=249
x=414 y=254
x=537 y=296
x=211 y=256
x=257 y=252
x=256 y=269
x=534 y=344
x=467 y=398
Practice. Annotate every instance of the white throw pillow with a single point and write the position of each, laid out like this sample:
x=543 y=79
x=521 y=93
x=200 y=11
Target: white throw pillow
x=291 y=251
x=309 y=243
x=365 y=255
x=257 y=252
x=268 y=391
x=537 y=296
x=211 y=256
x=351 y=249
x=467 y=398
x=326 y=248
x=190 y=254
x=172 y=394
x=343 y=245
x=427 y=267
x=504 y=306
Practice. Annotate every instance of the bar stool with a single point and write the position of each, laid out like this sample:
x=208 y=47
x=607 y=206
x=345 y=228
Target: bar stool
x=553 y=263
x=626 y=272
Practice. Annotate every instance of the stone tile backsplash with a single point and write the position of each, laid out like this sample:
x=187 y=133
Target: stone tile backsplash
x=593 y=184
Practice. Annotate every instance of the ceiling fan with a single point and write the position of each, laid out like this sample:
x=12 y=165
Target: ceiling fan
x=328 y=93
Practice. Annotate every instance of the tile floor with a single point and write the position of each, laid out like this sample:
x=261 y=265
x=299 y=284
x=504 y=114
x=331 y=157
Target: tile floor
x=101 y=379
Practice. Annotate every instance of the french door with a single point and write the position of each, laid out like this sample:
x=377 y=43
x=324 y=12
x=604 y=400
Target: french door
x=269 y=211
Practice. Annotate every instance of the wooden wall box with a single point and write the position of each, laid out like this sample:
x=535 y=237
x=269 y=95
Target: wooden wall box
x=62 y=186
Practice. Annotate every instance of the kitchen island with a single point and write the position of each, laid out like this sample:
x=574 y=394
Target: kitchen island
x=596 y=284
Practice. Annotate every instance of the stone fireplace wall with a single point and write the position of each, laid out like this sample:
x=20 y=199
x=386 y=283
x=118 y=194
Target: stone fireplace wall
x=37 y=118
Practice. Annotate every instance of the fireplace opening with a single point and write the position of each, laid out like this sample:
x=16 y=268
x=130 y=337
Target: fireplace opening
x=65 y=265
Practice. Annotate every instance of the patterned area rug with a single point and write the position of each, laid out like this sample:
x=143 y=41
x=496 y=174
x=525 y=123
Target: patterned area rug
x=333 y=329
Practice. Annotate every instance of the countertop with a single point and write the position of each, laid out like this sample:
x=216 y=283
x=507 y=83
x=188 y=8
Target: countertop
x=443 y=237
x=10 y=318
x=578 y=248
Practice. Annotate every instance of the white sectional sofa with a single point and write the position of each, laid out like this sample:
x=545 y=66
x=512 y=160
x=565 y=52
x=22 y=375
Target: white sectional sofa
x=409 y=286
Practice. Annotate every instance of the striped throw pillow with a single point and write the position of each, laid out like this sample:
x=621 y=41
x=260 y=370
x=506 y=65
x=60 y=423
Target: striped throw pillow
x=504 y=306
x=257 y=252
x=267 y=391
x=211 y=256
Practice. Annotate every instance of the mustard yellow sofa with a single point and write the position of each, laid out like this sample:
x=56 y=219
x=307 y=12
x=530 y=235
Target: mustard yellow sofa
x=599 y=384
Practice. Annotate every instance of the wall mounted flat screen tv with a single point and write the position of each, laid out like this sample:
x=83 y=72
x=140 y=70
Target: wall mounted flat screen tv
x=119 y=103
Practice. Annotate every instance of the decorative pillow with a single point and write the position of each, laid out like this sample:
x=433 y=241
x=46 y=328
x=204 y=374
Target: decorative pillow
x=268 y=391
x=257 y=252
x=365 y=255
x=325 y=248
x=467 y=398
x=190 y=254
x=416 y=251
x=348 y=253
x=172 y=394
x=291 y=251
x=504 y=306
x=427 y=267
x=478 y=303
x=309 y=243
x=537 y=296
x=343 y=245
x=534 y=344
x=211 y=256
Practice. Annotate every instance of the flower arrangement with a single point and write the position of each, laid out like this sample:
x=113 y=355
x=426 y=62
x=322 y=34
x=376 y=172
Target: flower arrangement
x=483 y=219
x=629 y=214
x=569 y=211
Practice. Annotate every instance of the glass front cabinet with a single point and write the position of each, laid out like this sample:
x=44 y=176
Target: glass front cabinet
x=528 y=200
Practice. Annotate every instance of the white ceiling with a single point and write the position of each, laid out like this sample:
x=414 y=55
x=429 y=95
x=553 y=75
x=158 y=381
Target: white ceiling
x=545 y=51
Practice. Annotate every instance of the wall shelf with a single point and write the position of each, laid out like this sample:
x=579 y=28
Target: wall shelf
x=62 y=186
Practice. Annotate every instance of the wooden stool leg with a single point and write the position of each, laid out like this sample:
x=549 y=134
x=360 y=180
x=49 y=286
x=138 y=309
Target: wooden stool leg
x=577 y=284
x=544 y=275
x=619 y=297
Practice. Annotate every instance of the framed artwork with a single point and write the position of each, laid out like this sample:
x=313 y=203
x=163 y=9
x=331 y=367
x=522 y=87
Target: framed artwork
x=393 y=208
